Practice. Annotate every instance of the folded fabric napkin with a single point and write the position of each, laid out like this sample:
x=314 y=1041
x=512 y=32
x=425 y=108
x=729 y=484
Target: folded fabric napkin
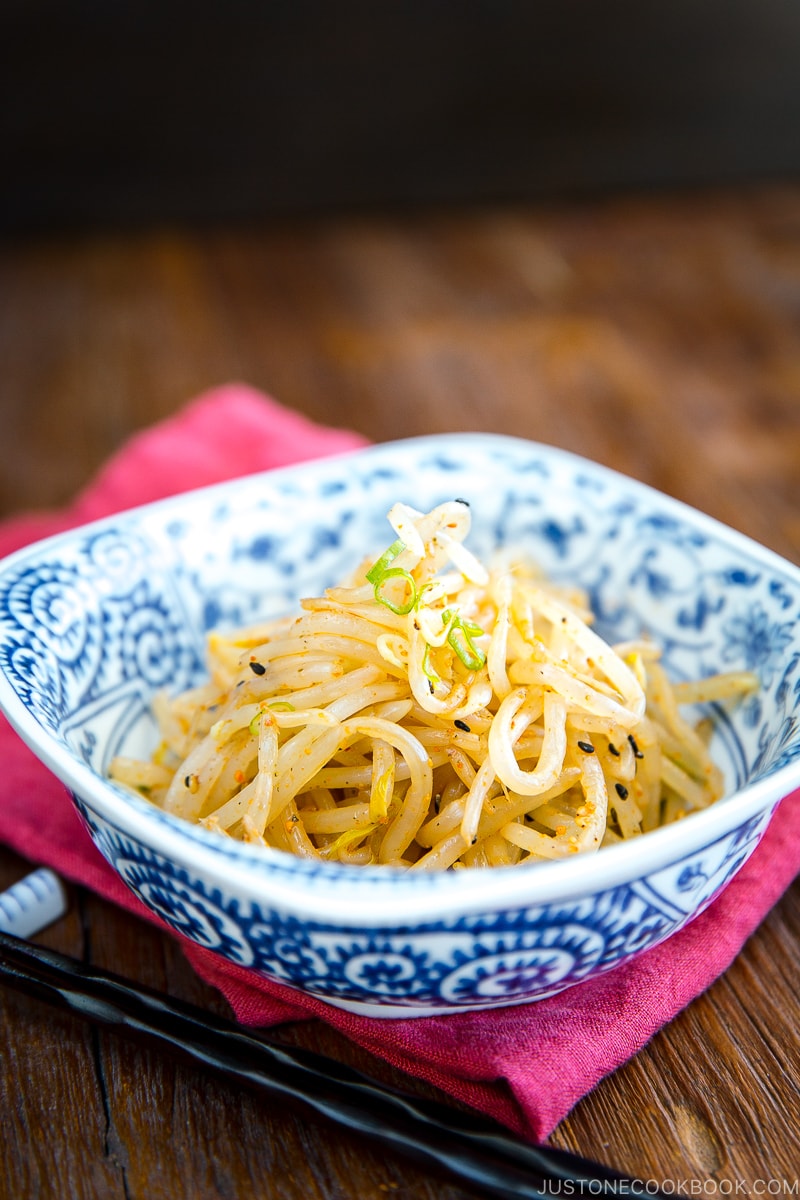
x=526 y=1066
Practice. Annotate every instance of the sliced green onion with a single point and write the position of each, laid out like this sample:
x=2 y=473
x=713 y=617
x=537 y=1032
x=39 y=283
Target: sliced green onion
x=273 y=706
x=459 y=639
x=428 y=668
x=381 y=570
x=471 y=655
x=396 y=573
x=380 y=566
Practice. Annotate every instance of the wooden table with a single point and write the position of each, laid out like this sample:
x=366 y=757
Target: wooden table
x=658 y=335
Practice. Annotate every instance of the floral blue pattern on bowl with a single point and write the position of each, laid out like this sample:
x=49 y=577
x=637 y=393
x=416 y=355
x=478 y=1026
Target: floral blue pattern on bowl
x=93 y=622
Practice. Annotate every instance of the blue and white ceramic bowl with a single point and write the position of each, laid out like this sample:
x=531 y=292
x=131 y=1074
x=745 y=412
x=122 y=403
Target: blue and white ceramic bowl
x=93 y=622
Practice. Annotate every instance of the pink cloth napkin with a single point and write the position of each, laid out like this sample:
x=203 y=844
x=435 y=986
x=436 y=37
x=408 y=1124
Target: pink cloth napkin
x=526 y=1066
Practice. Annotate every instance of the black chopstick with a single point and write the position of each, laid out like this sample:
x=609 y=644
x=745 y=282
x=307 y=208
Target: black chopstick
x=476 y=1150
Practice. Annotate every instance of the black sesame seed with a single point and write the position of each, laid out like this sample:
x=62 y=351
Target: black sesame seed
x=459 y=724
x=621 y=791
x=612 y=749
x=460 y=500
x=586 y=747
x=636 y=751
x=258 y=668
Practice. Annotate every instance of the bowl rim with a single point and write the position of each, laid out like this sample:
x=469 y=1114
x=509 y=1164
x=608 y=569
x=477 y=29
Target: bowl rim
x=273 y=877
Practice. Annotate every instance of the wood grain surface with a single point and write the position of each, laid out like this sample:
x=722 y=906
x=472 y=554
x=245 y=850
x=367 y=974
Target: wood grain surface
x=659 y=335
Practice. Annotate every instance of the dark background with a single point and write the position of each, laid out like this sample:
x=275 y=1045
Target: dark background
x=137 y=111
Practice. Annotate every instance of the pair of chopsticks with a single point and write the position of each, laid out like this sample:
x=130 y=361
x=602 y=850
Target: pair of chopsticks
x=475 y=1150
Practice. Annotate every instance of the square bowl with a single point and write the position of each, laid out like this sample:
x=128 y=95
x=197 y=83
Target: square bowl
x=94 y=622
